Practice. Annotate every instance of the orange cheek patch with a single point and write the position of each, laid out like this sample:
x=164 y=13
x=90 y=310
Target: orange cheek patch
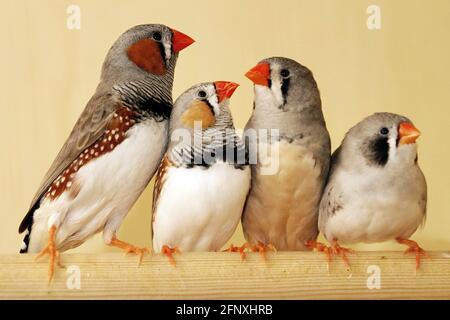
x=198 y=111
x=146 y=54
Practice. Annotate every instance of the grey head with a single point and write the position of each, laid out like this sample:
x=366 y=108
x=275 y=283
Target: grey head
x=380 y=140
x=201 y=125
x=286 y=97
x=141 y=63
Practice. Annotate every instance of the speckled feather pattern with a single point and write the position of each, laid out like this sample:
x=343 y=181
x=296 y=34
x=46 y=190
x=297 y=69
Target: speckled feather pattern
x=123 y=119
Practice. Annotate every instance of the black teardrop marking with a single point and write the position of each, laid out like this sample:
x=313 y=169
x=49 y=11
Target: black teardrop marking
x=210 y=107
x=163 y=53
x=379 y=151
x=285 y=88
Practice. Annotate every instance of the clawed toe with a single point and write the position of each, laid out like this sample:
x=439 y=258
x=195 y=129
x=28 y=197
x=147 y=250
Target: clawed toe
x=414 y=248
x=137 y=251
x=240 y=249
x=54 y=255
x=129 y=248
x=338 y=250
x=334 y=249
x=262 y=249
x=321 y=247
x=168 y=252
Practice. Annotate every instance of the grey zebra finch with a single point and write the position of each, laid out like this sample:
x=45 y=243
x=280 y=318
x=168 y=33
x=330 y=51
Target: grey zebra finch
x=376 y=190
x=282 y=208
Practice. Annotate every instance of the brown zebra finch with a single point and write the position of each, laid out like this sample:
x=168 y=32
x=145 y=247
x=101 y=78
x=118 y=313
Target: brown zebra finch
x=376 y=190
x=113 y=150
x=282 y=207
x=200 y=187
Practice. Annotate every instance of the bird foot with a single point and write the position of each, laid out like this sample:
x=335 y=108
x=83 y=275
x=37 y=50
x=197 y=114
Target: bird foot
x=414 y=248
x=129 y=248
x=54 y=256
x=336 y=249
x=240 y=249
x=137 y=251
x=321 y=247
x=168 y=252
x=262 y=249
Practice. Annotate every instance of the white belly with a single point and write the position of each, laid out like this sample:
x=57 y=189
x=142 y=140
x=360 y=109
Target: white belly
x=199 y=209
x=109 y=184
x=372 y=212
x=282 y=207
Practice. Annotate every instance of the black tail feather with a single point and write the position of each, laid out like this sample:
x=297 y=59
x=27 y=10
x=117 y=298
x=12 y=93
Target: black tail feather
x=26 y=240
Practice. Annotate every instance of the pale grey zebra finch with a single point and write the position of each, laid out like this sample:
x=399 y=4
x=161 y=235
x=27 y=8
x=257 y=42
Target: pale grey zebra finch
x=113 y=150
x=282 y=206
x=203 y=179
x=376 y=190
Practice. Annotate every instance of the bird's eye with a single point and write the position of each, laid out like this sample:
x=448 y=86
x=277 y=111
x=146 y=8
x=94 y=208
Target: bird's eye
x=201 y=94
x=284 y=73
x=157 y=36
x=384 y=131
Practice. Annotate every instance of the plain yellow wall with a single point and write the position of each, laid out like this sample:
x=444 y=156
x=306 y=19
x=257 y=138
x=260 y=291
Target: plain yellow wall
x=48 y=73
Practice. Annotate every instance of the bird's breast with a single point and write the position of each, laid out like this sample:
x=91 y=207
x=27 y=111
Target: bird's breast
x=199 y=208
x=377 y=206
x=283 y=202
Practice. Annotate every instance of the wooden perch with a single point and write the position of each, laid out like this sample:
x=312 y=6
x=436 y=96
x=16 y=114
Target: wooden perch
x=286 y=275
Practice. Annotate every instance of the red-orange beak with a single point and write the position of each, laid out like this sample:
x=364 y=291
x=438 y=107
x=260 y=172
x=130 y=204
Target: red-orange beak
x=260 y=74
x=407 y=133
x=225 y=89
x=180 y=40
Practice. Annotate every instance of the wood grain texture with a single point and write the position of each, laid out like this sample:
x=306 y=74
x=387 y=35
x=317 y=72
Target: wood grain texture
x=285 y=275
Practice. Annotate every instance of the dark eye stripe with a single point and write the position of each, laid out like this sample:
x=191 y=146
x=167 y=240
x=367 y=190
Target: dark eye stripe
x=379 y=151
x=210 y=106
x=163 y=52
x=285 y=88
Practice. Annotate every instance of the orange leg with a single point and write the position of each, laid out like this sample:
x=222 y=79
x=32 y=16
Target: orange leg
x=262 y=249
x=320 y=247
x=338 y=250
x=168 y=251
x=240 y=249
x=129 y=248
x=334 y=249
x=413 y=247
x=54 y=255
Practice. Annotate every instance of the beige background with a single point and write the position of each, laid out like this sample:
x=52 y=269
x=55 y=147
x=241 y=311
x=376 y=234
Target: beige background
x=47 y=74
